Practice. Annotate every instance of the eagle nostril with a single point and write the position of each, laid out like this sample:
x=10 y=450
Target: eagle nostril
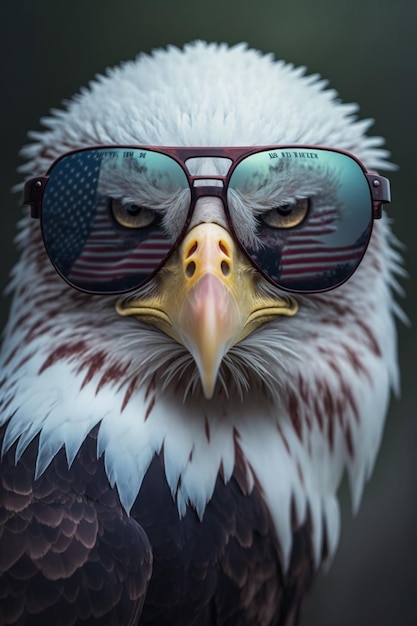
x=225 y=267
x=192 y=249
x=190 y=269
x=223 y=247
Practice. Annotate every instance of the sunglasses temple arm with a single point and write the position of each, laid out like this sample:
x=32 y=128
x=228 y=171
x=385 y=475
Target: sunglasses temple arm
x=380 y=190
x=32 y=194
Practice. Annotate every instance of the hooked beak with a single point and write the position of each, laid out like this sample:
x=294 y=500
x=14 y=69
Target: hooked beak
x=207 y=299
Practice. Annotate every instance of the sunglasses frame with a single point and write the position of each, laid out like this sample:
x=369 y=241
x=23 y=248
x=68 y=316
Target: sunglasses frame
x=34 y=188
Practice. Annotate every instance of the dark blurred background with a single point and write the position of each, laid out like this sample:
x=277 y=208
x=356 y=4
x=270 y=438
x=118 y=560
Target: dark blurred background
x=367 y=49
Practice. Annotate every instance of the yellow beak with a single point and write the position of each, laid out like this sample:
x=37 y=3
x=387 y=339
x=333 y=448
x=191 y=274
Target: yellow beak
x=207 y=299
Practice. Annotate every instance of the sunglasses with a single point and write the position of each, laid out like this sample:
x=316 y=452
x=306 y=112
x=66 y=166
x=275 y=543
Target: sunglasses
x=302 y=215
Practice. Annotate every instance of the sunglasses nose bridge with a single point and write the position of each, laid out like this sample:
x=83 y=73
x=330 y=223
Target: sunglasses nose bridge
x=200 y=191
x=209 y=207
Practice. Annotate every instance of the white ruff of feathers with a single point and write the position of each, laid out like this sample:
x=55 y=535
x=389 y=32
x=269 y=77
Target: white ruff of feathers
x=69 y=362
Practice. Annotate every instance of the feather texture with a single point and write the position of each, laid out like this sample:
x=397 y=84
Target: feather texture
x=297 y=403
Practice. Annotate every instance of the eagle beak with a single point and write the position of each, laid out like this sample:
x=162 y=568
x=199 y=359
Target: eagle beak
x=207 y=299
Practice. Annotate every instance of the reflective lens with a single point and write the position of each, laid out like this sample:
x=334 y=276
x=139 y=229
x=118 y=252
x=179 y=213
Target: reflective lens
x=103 y=215
x=111 y=216
x=314 y=215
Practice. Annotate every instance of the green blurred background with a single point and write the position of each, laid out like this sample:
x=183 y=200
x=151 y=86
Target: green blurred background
x=367 y=49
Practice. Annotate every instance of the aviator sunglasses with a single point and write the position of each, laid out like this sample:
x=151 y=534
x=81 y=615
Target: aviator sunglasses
x=106 y=212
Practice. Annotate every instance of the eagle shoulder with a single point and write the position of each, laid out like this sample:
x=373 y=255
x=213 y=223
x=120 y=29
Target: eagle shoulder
x=69 y=552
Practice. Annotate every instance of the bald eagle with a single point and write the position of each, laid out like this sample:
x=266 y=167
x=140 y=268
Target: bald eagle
x=201 y=341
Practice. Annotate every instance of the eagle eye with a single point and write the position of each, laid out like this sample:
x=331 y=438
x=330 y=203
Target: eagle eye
x=131 y=215
x=287 y=215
